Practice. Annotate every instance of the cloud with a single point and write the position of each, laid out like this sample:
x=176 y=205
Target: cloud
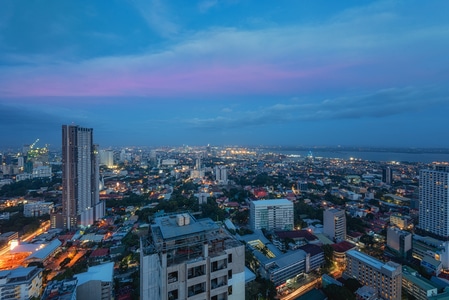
x=158 y=16
x=368 y=47
x=377 y=104
x=205 y=5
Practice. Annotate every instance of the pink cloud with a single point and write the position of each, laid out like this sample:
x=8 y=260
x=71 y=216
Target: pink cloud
x=198 y=80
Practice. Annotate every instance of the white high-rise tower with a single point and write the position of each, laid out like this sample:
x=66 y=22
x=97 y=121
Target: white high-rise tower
x=434 y=201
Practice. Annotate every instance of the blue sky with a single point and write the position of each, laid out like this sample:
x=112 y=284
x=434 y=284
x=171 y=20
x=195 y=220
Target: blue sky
x=153 y=72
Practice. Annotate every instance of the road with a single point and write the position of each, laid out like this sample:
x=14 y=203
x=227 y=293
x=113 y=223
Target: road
x=302 y=290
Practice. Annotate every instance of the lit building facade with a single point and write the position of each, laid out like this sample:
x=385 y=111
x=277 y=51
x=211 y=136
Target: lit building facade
x=434 y=201
x=185 y=258
x=37 y=209
x=21 y=283
x=271 y=214
x=386 y=278
x=334 y=224
x=81 y=204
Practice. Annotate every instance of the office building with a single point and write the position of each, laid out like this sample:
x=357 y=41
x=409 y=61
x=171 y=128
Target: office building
x=271 y=214
x=434 y=201
x=81 y=204
x=185 y=258
x=386 y=278
x=21 y=283
x=399 y=241
x=334 y=224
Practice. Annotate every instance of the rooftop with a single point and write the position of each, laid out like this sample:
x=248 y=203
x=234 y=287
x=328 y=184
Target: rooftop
x=270 y=202
x=104 y=273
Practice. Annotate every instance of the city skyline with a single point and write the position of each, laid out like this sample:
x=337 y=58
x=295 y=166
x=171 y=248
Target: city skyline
x=368 y=73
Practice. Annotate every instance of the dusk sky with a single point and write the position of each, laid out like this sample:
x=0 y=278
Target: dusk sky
x=222 y=72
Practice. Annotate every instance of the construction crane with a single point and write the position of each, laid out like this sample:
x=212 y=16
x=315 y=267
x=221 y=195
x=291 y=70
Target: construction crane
x=33 y=144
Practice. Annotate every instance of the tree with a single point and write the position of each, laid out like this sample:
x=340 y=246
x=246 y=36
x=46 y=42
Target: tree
x=335 y=292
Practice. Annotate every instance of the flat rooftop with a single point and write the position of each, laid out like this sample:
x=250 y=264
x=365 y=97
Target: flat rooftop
x=366 y=259
x=272 y=202
x=170 y=229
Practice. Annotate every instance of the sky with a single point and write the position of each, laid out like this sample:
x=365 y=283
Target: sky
x=226 y=72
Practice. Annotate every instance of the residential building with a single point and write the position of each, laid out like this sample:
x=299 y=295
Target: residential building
x=334 y=224
x=402 y=222
x=434 y=201
x=37 y=209
x=386 y=278
x=271 y=214
x=185 y=258
x=221 y=174
x=21 y=283
x=81 y=204
x=106 y=158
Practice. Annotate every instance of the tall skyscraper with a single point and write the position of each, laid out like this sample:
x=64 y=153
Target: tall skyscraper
x=434 y=201
x=81 y=204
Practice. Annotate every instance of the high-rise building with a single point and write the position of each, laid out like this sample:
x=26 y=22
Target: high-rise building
x=221 y=174
x=185 y=258
x=107 y=158
x=81 y=204
x=271 y=214
x=434 y=201
x=386 y=278
x=387 y=175
x=334 y=224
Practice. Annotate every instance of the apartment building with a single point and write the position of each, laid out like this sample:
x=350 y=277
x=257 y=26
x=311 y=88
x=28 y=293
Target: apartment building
x=271 y=214
x=186 y=258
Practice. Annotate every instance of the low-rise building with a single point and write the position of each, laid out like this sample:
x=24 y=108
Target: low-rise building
x=37 y=209
x=417 y=286
x=21 y=283
x=60 y=290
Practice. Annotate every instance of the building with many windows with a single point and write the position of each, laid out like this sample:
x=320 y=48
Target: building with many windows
x=185 y=258
x=271 y=214
x=334 y=224
x=81 y=204
x=434 y=201
x=385 y=277
x=37 y=209
x=21 y=283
